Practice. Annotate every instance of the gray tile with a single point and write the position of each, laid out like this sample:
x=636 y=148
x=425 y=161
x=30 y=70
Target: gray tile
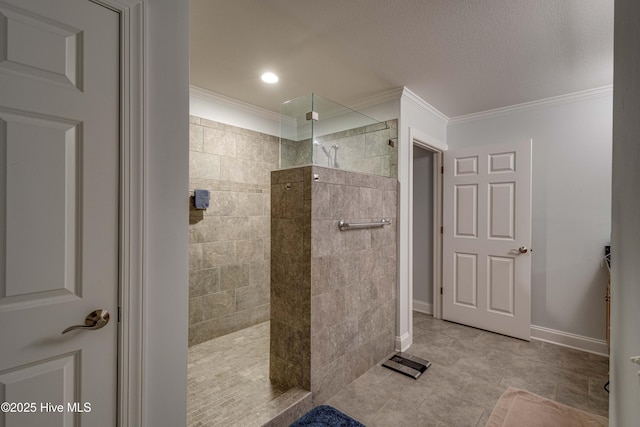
x=448 y=394
x=216 y=254
x=581 y=401
x=196 y=137
x=374 y=377
x=444 y=379
x=399 y=413
x=480 y=367
x=195 y=311
x=585 y=366
x=530 y=382
x=342 y=202
x=377 y=143
x=204 y=165
x=234 y=276
x=326 y=238
x=272 y=152
x=259 y=274
x=196 y=260
x=321 y=200
x=357 y=362
x=230 y=387
x=357 y=240
x=572 y=380
x=249 y=251
x=202 y=282
x=251 y=297
x=596 y=388
x=440 y=355
x=461 y=332
x=219 y=142
x=450 y=410
x=492 y=342
x=539 y=351
x=287 y=175
x=431 y=338
x=328 y=380
x=411 y=391
x=481 y=392
x=218 y=305
x=248 y=147
x=390 y=203
x=329 y=176
x=360 y=402
x=357 y=179
x=260 y=227
x=327 y=309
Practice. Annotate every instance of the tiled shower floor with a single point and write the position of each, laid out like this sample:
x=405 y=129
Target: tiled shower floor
x=228 y=381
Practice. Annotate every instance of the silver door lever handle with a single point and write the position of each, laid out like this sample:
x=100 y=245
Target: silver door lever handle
x=94 y=320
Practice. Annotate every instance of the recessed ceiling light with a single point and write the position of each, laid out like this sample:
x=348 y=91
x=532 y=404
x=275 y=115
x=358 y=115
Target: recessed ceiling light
x=270 y=78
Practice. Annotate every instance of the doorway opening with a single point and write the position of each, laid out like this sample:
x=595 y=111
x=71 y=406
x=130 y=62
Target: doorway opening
x=423 y=230
x=425 y=225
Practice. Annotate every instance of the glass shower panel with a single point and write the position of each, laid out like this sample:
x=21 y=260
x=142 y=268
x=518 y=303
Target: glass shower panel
x=315 y=130
x=296 y=132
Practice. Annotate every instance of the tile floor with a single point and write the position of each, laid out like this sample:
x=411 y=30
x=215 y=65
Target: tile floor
x=228 y=379
x=471 y=368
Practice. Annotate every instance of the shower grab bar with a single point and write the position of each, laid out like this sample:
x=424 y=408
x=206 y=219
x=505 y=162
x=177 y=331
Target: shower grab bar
x=342 y=225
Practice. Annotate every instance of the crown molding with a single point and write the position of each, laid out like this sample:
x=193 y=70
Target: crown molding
x=377 y=99
x=533 y=105
x=408 y=95
x=233 y=103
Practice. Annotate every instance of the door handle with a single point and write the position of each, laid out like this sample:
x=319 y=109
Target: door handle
x=523 y=249
x=94 y=320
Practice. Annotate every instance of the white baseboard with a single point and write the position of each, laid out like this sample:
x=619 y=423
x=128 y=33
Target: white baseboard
x=422 y=306
x=403 y=342
x=566 y=339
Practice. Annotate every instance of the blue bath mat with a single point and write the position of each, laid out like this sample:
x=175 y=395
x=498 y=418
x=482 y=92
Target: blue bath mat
x=326 y=416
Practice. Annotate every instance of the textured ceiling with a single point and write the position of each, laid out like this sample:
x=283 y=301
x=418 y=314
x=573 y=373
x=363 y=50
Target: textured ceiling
x=461 y=56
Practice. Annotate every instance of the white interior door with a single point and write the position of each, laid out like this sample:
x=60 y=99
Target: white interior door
x=487 y=235
x=59 y=195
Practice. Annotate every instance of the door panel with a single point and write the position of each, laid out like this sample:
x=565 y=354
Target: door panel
x=466 y=279
x=466 y=211
x=487 y=217
x=59 y=195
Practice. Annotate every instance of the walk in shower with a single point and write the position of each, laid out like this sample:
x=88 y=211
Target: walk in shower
x=230 y=247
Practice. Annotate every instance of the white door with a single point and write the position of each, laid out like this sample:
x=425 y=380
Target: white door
x=59 y=195
x=487 y=235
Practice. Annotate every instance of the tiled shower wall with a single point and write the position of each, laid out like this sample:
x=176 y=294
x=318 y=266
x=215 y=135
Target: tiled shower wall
x=365 y=149
x=229 y=243
x=333 y=293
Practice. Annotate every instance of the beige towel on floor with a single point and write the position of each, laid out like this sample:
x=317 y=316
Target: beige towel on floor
x=519 y=408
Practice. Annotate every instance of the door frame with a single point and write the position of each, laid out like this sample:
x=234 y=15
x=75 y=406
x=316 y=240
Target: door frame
x=132 y=209
x=422 y=140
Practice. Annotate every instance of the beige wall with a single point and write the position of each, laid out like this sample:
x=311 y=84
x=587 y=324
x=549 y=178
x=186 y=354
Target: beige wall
x=229 y=246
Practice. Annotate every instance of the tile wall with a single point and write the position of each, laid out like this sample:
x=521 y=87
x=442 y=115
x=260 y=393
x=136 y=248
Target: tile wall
x=333 y=293
x=229 y=243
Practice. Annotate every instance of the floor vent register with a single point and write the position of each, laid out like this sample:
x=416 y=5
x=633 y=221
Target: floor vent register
x=408 y=365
